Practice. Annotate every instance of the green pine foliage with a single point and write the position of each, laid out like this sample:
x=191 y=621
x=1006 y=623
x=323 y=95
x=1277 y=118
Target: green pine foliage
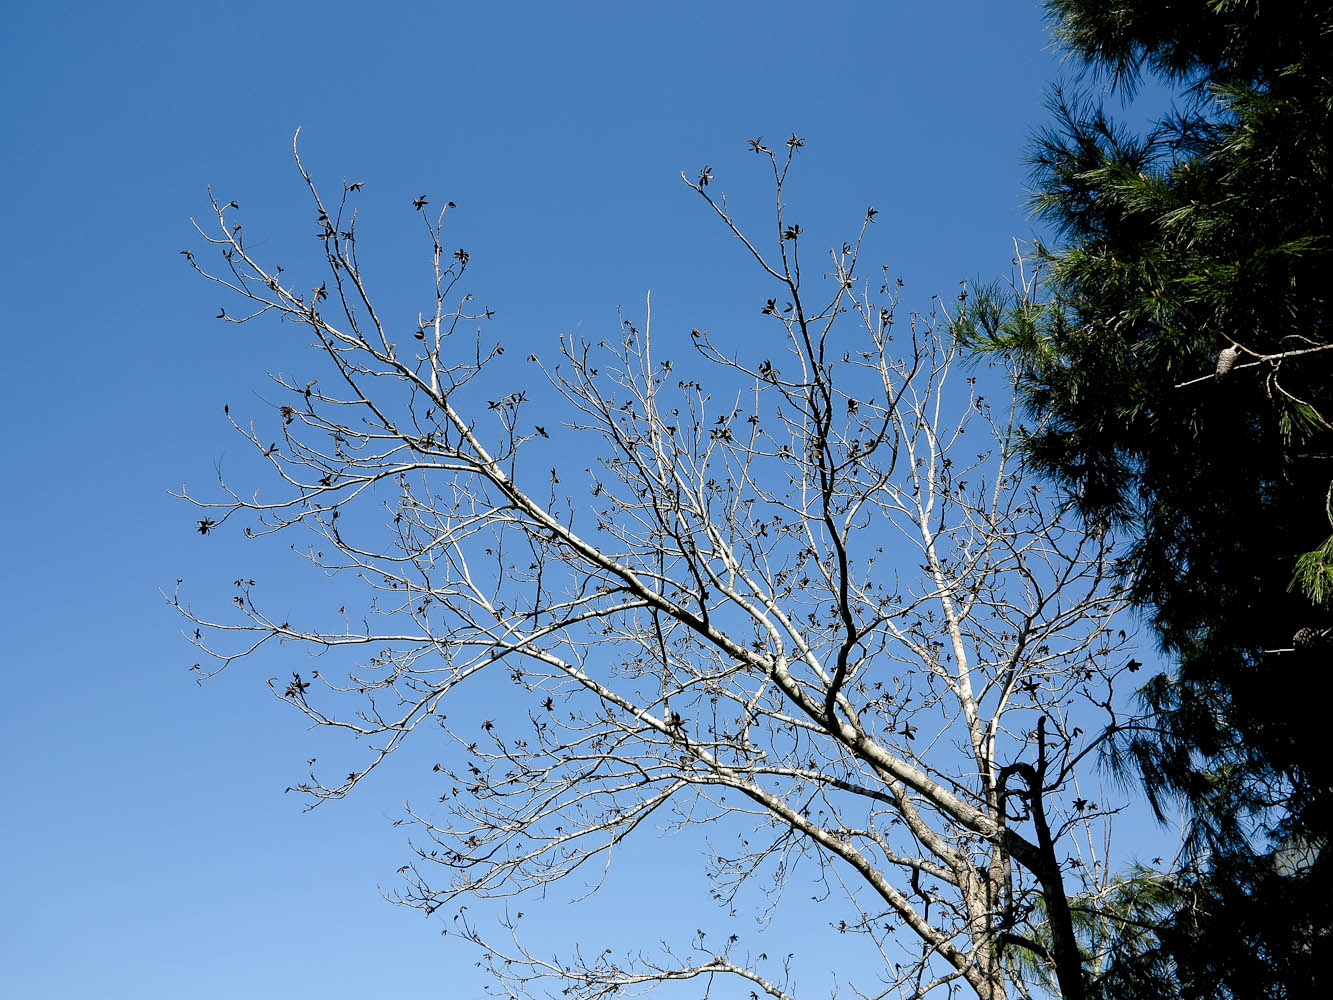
x=1184 y=367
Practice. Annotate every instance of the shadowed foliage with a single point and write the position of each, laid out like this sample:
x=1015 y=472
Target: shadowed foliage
x=1183 y=366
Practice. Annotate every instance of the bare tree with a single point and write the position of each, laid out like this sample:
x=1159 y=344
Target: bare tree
x=812 y=593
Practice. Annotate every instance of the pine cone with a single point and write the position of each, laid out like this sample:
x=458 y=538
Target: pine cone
x=1310 y=638
x=1226 y=359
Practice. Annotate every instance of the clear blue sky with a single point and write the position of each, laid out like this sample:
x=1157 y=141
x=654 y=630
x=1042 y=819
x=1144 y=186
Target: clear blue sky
x=148 y=847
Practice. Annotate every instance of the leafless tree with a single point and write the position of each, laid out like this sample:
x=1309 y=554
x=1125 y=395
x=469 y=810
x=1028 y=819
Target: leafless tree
x=812 y=593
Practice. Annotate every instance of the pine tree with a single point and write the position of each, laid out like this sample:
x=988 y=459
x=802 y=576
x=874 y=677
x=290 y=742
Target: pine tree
x=1187 y=362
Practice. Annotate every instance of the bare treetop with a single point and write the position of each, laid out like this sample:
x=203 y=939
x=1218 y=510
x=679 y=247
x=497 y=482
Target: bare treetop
x=806 y=589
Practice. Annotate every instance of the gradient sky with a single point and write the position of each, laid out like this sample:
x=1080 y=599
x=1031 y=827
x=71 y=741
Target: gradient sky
x=148 y=847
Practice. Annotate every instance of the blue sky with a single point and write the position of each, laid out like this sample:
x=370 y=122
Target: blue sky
x=149 y=848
